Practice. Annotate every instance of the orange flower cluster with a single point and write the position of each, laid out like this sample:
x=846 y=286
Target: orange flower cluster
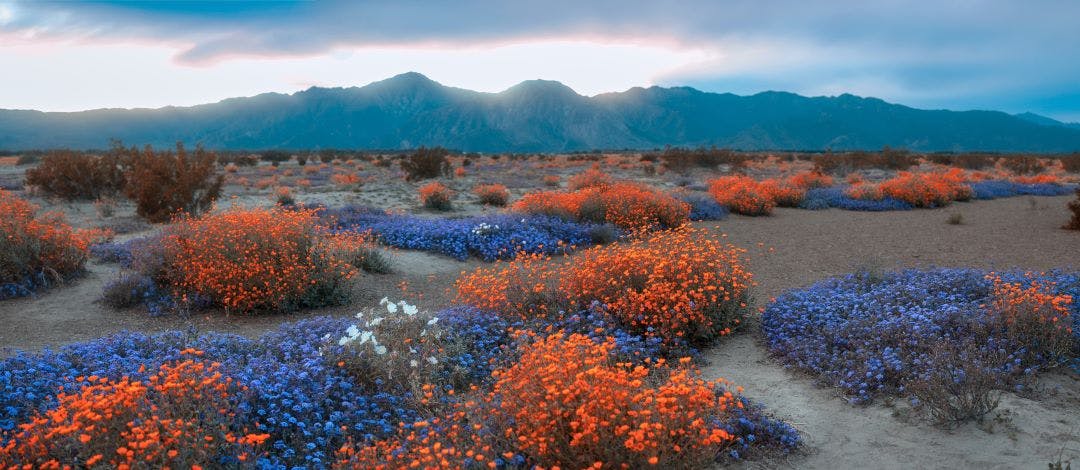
x=435 y=195
x=345 y=179
x=589 y=178
x=33 y=243
x=551 y=180
x=742 y=194
x=179 y=418
x=928 y=189
x=492 y=194
x=627 y=205
x=678 y=284
x=811 y=179
x=1034 y=315
x=782 y=194
x=567 y=404
x=254 y=259
x=1045 y=178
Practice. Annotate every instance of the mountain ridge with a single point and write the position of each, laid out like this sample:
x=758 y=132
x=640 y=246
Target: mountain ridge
x=409 y=110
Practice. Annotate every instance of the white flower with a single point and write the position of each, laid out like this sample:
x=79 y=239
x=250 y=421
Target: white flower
x=433 y=321
x=409 y=310
x=344 y=340
x=384 y=301
x=522 y=220
x=432 y=360
x=380 y=349
x=375 y=321
x=352 y=331
x=413 y=363
x=360 y=315
x=365 y=336
x=391 y=307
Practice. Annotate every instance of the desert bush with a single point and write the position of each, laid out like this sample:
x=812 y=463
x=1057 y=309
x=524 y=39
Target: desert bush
x=703 y=206
x=275 y=157
x=175 y=418
x=492 y=194
x=426 y=163
x=164 y=184
x=1021 y=164
x=679 y=285
x=283 y=196
x=552 y=181
x=249 y=260
x=28 y=159
x=782 y=194
x=75 y=175
x=1074 y=207
x=629 y=206
x=345 y=179
x=436 y=196
x=967 y=160
x=927 y=329
x=742 y=195
x=682 y=160
x=1071 y=163
x=486 y=237
x=590 y=178
x=39 y=249
x=811 y=180
x=888 y=159
x=927 y=189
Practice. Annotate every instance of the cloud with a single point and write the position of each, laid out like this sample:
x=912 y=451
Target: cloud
x=968 y=53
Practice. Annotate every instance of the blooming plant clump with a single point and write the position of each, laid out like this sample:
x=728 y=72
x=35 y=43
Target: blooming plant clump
x=742 y=194
x=492 y=194
x=38 y=249
x=629 y=206
x=436 y=196
x=680 y=285
x=811 y=180
x=947 y=338
x=249 y=260
x=180 y=416
x=485 y=237
x=589 y=178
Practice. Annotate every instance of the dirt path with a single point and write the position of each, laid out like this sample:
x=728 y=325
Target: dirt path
x=808 y=246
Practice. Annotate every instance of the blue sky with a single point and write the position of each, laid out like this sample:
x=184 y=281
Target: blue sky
x=956 y=54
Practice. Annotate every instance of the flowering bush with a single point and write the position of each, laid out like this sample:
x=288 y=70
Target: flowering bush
x=552 y=180
x=485 y=237
x=258 y=259
x=492 y=194
x=436 y=196
x=783 y=194
x=811 y=180
x=38 y=249
x=679 y=285
x=180 y=416
x=627 y=205
x=590 y=178
x=874 y=335
x=703 y=207
x=742 y=195
x=925 y=189
x=345 y=179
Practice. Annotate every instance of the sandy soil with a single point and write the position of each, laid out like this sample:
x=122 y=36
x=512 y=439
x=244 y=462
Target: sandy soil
x=797 y=248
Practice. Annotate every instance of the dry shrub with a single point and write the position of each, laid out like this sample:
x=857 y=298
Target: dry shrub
x=436 y=196
x=1021 y=164
x=1071 y=163
x=75 y=175
x=682 y=160
x=970 y=161
x=37 y=246
x=552 y=181
x=181 y=417
x=888 y=159
x=628 y=205
x=680 y=285
x=426 y=163
x=1074 y=206
x=261 y=259
x=492 y=194
x=164 y=184
x=742 y=194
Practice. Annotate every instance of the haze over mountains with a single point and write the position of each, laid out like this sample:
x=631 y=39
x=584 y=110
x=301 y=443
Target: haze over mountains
x=410 y=110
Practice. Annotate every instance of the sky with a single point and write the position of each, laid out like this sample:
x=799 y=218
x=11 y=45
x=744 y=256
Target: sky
x=1013 y=56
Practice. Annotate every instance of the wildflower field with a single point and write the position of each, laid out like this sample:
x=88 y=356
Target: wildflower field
x=626 y=310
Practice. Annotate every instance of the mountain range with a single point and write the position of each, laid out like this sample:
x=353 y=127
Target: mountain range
x=410 y=110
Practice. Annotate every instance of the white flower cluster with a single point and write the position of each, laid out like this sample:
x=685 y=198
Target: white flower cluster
x=356 y=336
x=485 y=228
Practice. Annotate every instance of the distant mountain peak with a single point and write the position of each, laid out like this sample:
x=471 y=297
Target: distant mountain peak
x=409 y=110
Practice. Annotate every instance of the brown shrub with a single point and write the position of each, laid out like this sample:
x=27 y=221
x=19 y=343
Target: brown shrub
x=165 y=183
x=426 y=163
x=1022 y=164
x=1074 y=206
x=75 y=175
